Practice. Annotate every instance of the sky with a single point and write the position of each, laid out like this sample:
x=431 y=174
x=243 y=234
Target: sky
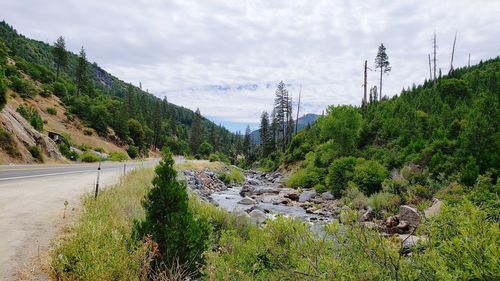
x=226 y=57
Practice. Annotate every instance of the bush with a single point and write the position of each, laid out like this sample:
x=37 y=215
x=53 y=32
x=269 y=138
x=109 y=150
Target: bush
x=395 y=186
x=117 y=156
x=32 y=116
x=354 y=198
x=89 y=157
x=340 y=172
x=59 y=89
x=384 y=201
x=35 y=152
x=7 y=144
x=132 y=151
x=65 y=150
x=51 y=111
x=369 y=175
x=234 y=176
x=206 y=149
x=3 y=91
x=180 y=236
x=22 y=87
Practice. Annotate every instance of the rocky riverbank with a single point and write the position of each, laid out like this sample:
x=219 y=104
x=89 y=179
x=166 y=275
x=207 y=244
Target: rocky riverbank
x=262 y=196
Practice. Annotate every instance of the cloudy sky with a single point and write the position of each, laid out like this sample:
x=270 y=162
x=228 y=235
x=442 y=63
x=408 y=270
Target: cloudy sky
x=226 y=57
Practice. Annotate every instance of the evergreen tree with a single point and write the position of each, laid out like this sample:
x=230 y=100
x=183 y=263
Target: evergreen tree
x=60 y=55
x=265 y=134
x=282 y=114
x=169 y=220
x=247 y=143
x=196 y=133
x=382 y=62
x=82 y=69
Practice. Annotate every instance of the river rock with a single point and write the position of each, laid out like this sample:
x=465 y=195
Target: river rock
x=368 y=215
x=410 y=215
x=263 y=190
x=241 y=213
x=247 y=201
x=409 y=240
x=434 y=209
x=258 y=216
x=290 y=193
x=246 y=189
x=306 y=196
x=327 y=195
x=392 y=221
x=251 y=181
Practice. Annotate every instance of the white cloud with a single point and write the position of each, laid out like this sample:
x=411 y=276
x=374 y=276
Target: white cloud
x=182 y=48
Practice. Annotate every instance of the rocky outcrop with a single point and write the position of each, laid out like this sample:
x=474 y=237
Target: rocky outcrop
x=247 y=201
x=26 y=135
x=410 y=215
x=306 y=196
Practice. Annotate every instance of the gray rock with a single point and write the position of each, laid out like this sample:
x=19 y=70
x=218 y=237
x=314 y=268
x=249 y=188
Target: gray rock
x=434 y=209
x=247 y=201
x=306 y=196
x=251 y=181
x=327 y=195
x=368 y=215
x=409 y=240
x=245 y=190
x=258 y=216
x=410 y=215
x=241 y=213
x=264 y=190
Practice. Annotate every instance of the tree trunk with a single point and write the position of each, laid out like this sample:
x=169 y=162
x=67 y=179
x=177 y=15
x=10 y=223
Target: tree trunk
x=381 y=72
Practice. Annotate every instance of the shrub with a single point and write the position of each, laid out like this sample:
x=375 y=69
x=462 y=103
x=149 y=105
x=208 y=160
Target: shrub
x=354 y=198
x=3 y=91
x=88 y=132
x=369 y=175
x=340 y=172
x=417 y=193
x=65 y=150
x=7 y=144
x=132 y=151
x=117 y=156
x=180 y=236
x=11 y=71
x=206 y=149
x=22 y=87
x=51 y=111
x=35 y=152
x=395 y=186
x=59 y=89
x=384 y=201
x=32 y=116
x=89 y=157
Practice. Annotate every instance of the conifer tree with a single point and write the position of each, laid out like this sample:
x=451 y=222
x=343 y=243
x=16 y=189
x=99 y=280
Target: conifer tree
x=181 y=238
x=60 y=55
x=196 y=133
x=382 y=62
x=265 y=134
x=82 y=69
x=247 y=144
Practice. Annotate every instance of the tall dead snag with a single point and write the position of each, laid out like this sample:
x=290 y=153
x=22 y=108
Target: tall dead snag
x=298 y=109
x=365 y=83
x=434 y=45
x=453 y=54
x=430 y=69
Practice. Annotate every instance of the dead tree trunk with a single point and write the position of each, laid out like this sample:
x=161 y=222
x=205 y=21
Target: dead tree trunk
x=434 y=46
x=452 y=54
x=364 y=83
x=381 y=72
x=298 y=109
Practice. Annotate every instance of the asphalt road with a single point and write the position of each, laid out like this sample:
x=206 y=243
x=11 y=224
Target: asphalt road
x=18 y=172
x=32 y=206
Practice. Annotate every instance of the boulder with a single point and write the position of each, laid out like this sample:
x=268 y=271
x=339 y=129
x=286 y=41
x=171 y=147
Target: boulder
x=403 y=227
x=258 y=216
x=327 y=195
x=392 y=221
x=368 y=215
x=434 y=209
x=263 y=190
x=247 y=201
x=409 y=240
x=245 y=190
x=240 y=213
x=306 y=196
x=410 y=215
x=253 y=181
x=290 y=193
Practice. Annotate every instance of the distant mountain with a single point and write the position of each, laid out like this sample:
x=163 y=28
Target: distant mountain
x=305 y=120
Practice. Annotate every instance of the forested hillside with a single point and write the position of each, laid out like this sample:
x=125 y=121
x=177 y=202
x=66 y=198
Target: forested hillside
x=116 y=110
x=442 y=135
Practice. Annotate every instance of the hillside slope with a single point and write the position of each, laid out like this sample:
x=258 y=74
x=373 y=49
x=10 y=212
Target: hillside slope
x=124 y=116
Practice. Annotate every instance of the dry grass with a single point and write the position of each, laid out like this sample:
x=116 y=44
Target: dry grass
x=199 y=165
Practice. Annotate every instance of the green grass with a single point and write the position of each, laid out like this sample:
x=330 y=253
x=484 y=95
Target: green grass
x=100 y=245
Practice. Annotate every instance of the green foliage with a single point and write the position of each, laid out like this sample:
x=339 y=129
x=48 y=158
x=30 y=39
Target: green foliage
x=117 y=156
x=308 y=176
x=342 y=124
x=384 y=201
x=7 y=144
x=65 y=150
x=205 y=149
x=59 y=89
x=22 y=87
x=100 y=245
x=486 y=195
x=89 y=157
x=132 y=151
x=340 y=172
x=369 y=175
x=35 y=152
x=180 y=236
x=354 y=198
x=233 y=176
x=136 y=132
x=3 y=89
x=219 y=157
x=32 y=116
x=51 y=111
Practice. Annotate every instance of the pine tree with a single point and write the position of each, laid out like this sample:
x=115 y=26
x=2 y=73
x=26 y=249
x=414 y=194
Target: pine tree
x=282 y=114
x=60 y=55
x=169 y=220
x=265 y=129
x=382 y=62
x=247 y=144
x=196 y=133
x=82 y=69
